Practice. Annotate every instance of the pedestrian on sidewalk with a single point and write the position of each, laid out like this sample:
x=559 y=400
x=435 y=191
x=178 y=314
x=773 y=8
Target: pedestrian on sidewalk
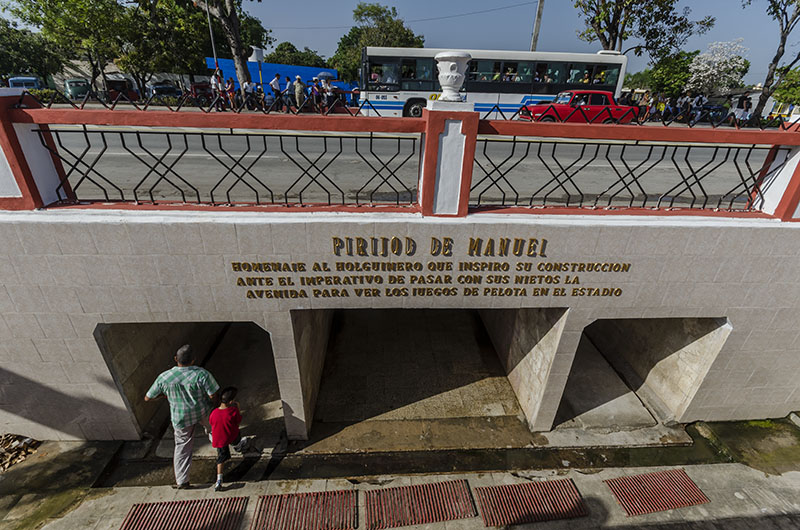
x=288 y=95
x=299 y=92
x=225 y=422
x=191 y=392
x=275 y=85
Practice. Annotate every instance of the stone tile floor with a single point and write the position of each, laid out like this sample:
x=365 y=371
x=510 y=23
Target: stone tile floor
x=741 y=498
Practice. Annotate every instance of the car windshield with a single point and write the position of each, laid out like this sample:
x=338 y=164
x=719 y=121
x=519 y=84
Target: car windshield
x=78 y=83
x=563 y=98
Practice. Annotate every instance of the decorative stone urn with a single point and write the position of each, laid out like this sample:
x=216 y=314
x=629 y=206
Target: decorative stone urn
x=452 y=68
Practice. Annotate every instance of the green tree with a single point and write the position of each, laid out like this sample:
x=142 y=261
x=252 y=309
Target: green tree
x=142 y=50
x=787 y=14
x=88 y=29
x=641 y=79
x=25 y=52
x=376 y=25
x=287 y=53
x=163 y=36
x=658 y=26
x=789 y=89
x=670 y=74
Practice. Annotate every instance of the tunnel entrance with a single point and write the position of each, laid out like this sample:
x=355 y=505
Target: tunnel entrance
x=236 y=353
x=399 y=379
x=631 y=374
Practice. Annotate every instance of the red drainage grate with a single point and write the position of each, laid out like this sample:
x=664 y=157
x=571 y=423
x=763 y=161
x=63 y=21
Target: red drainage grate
x=656 y=492
x=324 y=510
x=425 y=503
x=530 y=502
x=203 y=514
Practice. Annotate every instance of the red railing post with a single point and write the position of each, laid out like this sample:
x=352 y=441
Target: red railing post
x=448 y=157
x=20 y=191
x=787 y=207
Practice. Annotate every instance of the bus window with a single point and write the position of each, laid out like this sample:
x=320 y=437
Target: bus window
x=549 y=73
x=421 y=69
x=524 y=71
x=580 y=73
x=483 y=70
x=416 y=74
x=384 y=75
x=606 y=74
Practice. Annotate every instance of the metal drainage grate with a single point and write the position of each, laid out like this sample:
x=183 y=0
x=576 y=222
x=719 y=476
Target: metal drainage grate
x=425 y=503
x=656 y=492
x=204 y=514
x=531 y=502
x=324 y=510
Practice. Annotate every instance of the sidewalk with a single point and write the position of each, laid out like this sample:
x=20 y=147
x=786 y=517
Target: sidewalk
x=741 y=498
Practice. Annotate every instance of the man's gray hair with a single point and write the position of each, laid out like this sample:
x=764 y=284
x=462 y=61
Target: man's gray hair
x=185 y=354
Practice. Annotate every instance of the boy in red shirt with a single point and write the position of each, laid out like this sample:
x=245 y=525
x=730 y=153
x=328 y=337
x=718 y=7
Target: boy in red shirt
x=225 y=422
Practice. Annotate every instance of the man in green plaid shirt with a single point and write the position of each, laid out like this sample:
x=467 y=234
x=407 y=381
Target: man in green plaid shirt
x=191 y=392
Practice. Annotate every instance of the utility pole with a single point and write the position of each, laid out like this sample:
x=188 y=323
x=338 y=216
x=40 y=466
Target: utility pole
x=537 y=24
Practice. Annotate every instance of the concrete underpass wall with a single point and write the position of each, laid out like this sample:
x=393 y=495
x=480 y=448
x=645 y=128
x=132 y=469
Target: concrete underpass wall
x=64 y=271
x=137 y=353
x=312 y=328
x=664 y=359
x=527 y=342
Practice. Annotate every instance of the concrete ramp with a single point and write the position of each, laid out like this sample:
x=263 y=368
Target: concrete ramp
x=595 y=397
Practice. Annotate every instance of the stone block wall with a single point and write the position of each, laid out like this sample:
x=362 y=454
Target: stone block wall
x=527 y=341
x=668 y=357
x=64 y=271
x=312 y=328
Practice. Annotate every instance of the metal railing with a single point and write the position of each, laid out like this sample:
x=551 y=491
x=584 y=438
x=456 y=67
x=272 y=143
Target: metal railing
x=187 y=102
x=213 y=167
x=267 y=105
x=536 y=172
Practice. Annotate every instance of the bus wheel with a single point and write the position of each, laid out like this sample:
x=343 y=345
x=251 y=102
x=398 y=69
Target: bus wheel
x=414 y=108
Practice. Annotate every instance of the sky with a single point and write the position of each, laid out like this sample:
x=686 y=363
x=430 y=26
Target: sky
x=319 y=24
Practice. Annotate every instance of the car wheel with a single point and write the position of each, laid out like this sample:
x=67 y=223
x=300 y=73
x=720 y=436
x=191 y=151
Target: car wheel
x=608 y=121
x=548 y=119
x=414 y=109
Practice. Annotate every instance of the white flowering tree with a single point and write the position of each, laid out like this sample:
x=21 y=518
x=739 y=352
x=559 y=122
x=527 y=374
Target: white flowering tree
x=719 y=69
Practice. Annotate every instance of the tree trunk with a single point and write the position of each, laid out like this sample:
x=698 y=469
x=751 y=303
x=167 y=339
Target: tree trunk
x=769 y=82
x=767 y=88
x=230 y=27
x=229 y=20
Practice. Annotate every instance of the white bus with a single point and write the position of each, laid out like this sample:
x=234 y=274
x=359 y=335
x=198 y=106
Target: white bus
x=399 y=81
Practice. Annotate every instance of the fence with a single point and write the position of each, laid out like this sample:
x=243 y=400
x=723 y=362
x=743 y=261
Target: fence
x=446 y=163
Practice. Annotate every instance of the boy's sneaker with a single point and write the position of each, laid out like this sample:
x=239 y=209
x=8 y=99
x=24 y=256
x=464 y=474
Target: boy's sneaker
x=243 y=445
x=218 y=486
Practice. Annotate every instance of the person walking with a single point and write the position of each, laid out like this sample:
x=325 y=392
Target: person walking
x=315 y=93
x=743 y=106
x=288 y=95
x=225 y=422
x=327 y=94
x=218 y=91
x=275 y=85
x=230 y=90
x=299 y=92
x=698 y=104
x=191 y=392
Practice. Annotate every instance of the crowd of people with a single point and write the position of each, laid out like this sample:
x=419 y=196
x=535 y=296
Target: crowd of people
x=690 y=107
x=277 y=95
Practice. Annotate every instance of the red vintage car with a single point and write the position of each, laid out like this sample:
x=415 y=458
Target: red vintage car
x=580 y=106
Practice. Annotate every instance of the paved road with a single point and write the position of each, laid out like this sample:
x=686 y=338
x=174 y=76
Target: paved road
x=287 y=166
